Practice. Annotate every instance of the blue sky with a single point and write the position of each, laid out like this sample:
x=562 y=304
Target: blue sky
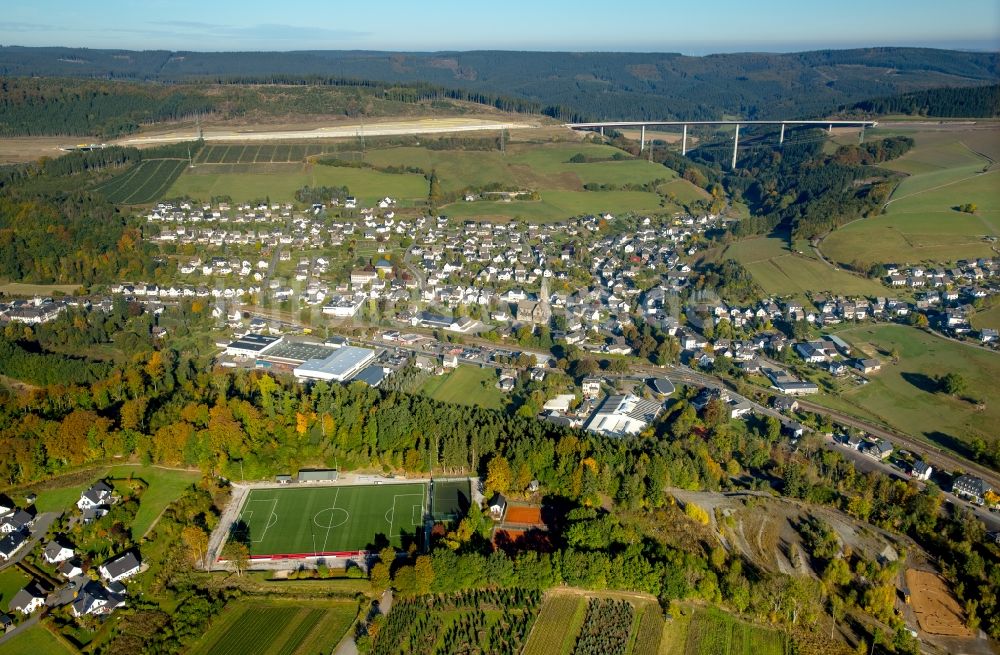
x=692 y=27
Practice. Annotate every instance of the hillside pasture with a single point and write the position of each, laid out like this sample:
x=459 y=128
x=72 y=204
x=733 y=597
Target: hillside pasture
x=782 y=271
x=279 y=182
x=904 y=395
x=920 y=222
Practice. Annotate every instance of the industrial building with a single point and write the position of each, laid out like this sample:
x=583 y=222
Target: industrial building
x=252 y=345
x=618 y=416
x=339 y=366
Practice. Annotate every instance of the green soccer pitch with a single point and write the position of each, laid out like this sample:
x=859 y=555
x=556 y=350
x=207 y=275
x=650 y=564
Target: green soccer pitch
x=307 y=520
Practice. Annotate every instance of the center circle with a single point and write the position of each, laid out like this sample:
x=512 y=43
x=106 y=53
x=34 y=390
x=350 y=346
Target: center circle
x=331 y=517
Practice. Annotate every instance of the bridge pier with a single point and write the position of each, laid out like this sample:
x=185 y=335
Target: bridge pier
x=861 y=135
x=781 y=139
x=684 y=141
x=602 y=130
x=736 y=143
x=829 y=129
x=642 y=139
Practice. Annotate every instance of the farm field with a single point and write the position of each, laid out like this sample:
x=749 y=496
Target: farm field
x=144 y=183
x=259 y=154
x=309 y=519
x=279 y=182
x=479 y=621
x=920 y=222
x=529 y=166
x=903 y=395
x=273 y=627
x=466 y=385
x=713 y=632
x=783 y=272
x=608 y=622
x=557 y=625
x=36 y=640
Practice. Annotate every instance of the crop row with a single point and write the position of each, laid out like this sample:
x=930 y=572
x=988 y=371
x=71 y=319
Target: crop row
x=144 y=183
x=254 y=631
x=554 y=623
x=259 y=154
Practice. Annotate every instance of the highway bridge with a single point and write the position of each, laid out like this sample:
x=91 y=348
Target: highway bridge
x=828 y=124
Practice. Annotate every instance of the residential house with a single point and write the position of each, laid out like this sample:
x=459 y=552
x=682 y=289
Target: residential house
x=56 y=552
x=497 y=506
x=121 y=567
x=96 y=496
x=28 y=599
x=921 y=470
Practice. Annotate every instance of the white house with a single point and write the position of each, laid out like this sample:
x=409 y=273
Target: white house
x=121 y=567
x=96 y=496
x=28 y=599
x=56 y=552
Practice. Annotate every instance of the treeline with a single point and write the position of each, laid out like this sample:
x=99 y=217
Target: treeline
x=965 y=102
x=41 y=368
x=35 y=107
x=412 y=92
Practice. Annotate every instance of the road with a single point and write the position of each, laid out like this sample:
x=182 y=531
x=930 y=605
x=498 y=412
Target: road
x=42 y=523
x=937 y=457
x=388 y=128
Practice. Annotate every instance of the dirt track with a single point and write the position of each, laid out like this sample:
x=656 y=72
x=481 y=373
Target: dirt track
x=937 y=610
x=388 y=128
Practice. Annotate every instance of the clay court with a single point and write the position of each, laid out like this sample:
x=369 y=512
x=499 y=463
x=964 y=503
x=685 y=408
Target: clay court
x=523 y=515
x=938 y=613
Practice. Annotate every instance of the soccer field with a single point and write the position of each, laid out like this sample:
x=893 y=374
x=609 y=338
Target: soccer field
x=308 y=520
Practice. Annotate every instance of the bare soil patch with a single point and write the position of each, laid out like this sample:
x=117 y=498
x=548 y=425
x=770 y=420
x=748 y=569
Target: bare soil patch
x=938 y=612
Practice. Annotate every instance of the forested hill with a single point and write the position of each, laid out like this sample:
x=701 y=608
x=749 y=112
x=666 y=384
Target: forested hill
x=585 y=85
x=978 y=102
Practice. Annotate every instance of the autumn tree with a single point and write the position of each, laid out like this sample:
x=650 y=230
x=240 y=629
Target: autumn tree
x=498 y=475
x=196 y=540
x=237 y=554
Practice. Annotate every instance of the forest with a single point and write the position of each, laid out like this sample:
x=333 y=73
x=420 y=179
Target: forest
x=567 y=85
x=54 y=228
x=976 y=102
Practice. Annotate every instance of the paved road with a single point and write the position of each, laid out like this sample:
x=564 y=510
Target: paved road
x=31 y=620
x=42 y=523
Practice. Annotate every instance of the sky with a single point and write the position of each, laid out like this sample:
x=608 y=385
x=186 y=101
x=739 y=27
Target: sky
x=691 y=27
